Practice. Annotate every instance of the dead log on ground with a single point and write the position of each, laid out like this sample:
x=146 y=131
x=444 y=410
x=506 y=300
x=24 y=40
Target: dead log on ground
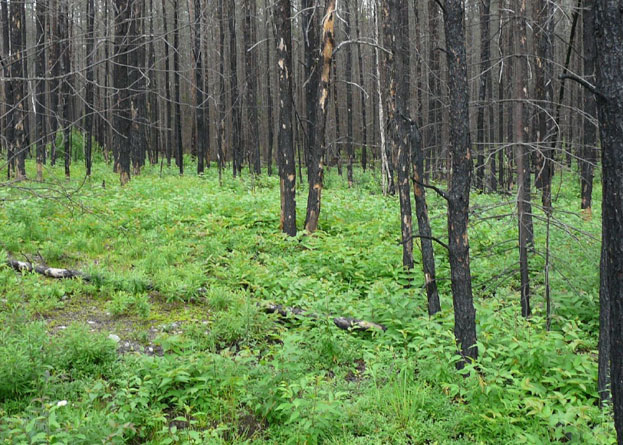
x=50 y=272
x=345 y=323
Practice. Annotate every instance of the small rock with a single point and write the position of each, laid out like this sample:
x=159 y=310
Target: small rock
x=91 y=322
x=114 y=338
x=62 y=327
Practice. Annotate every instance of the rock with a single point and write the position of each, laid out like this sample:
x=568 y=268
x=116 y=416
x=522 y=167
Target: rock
x=114 y=338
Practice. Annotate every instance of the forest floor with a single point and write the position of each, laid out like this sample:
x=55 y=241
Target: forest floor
x=168 y=341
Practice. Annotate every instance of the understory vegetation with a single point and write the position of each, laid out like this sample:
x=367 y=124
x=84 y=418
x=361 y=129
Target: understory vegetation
x=168 y=342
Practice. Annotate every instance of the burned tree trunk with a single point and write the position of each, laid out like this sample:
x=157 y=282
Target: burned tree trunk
x=168 y=141
x=349 y=96
x=269 y=97
x=253 y=144
x=311 y=43
x=364 y=121
x=522 y=159
x=458 y=194
x=425 y=232
x=236 y=110
x=16 y=89
x=395 y=16
x=221 y=66
x=544 y=94
x=203 y=125
x=176 y=81
x=483 y=87
x=122 y=113
x=609 y=88
x=316 y=166
x=589 y=156
x=67 y=89
x=287 y=172
x=90 y=105
x=40 y=72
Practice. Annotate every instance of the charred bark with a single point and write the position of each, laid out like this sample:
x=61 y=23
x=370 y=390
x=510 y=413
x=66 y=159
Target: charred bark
x=458 y=194
x=287 y=172
x=316 y=166
x=609 y=67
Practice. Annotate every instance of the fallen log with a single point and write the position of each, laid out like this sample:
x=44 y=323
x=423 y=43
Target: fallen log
x=345 y=323
x=50 y=272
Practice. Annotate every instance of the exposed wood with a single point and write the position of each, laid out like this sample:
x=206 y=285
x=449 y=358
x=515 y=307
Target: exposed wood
x=344 y=323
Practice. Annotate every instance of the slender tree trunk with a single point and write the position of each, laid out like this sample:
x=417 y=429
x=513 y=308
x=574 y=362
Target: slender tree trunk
x=609 y=67
x=386 y=171
x=253 y=142
x=316 y=167
x=16 y=116
x=364 y=120
x=168 y=142
x=433 y=136
x=176 y=81
x=337 y=147
x=269 y=97
x=235 y=92
x=287 y=172
x=458 y=194
x=522 y=158
x=40 y=72
x=483 y=87
x=349 y=94
x=544 y=94
x=90 y=105
x=311 y=43
x=222 y=100
x=123 y=116
x=425 y=232
x=203 y=126
x=154 y=107
x=589 y=156
x=67 y=89
x=395 y=16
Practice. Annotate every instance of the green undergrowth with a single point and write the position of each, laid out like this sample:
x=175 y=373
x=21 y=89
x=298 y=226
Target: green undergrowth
x=180 y=266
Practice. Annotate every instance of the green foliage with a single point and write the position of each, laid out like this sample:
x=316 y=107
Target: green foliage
x=182 y=266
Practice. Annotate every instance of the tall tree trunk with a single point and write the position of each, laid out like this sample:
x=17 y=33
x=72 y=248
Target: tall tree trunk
x=316 y=167
x=138 y=84
x=16 y=116
x=40 y=72
x=364 y=120
x=433 y=135
x=90 y=105
x=221 y=89
x=67 y=89
x=483 y=87
x=54 y=66
x=311 y=43
x=236 y=110
x=458 y=194
x=349 y=94
x=176 y=81
x=154 y=104
x=609 y=65
x=287 y=172
x=269 y=97
x=203 y=125
x=395 y=16
x=121 y=83
x=253 y=142
x=168 y=142
x=589 y=155
x=544 y=91
x=337 y=147
x=424 y=230
x=521 y=157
